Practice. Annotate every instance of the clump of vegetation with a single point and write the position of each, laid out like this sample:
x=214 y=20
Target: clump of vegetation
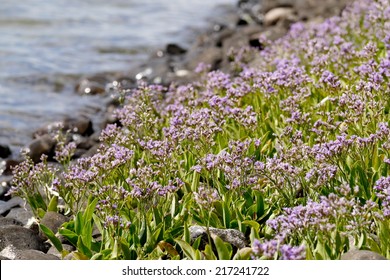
x=293 y=150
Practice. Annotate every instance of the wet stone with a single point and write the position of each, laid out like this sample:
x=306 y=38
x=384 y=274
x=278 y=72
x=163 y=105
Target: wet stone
x=81 y=125
x=174 y=49
x=42 y=145
x=5 y=151
x=8 y=165
x=92 y=85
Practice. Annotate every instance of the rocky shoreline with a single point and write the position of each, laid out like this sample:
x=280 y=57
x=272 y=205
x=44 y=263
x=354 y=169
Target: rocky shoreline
x=242 y=26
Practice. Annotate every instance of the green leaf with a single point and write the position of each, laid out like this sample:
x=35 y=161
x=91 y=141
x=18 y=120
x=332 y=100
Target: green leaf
x=174 y=206
x=259 y=203
x=56 y=242
x=243 y=254
x=362 y=240
x=69 y=235
x=82 y=248
x=78 y=223
x=188 y=251
x=80 y=256
x=53 y=204
x=142 y=231
x=186 y=237
x=224 y=249
x=125 y=249
x=156 y=216
x=208 y=252
x=195 y=181
x=226 y=214
x=114 y=253
x=168 y=248
x=321 y=252
x=87 y=216
x=255 y=229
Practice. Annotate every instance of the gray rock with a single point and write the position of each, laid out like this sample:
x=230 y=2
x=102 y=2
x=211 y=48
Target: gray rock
x=5 y=185
x=29 y=254
x=307 y=9
x=24 y=215
x=232 y=236
x=92 y=85
x=277 y=14
x=20 y=238
x=8 y=205
x=5 y=151
x=175 y=49
x=8 y=165
x=210 y=55
x=80 y=125
x=54 y=251
x=5 y=221
x=42 y=145
x=362 y=255
x=53 y=221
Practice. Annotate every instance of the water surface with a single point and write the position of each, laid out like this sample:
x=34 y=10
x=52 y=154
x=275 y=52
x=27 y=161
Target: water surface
x=46 y=44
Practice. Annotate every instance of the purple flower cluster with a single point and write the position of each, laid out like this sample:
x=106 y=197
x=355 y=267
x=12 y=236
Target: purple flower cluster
x=205 y=197
x=273 y=249
x=234 y=164
x=348 y=216
x=382 y=189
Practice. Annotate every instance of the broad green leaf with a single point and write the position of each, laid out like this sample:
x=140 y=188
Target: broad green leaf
x=255 y=229
x=156 y=216
x=174 y=206
x=87 y=216
x=56 y=242
x=243 y=254
x=186 y=237
x=80 y=256
x=188 y=251
x=125 y=249
x=167 y=247
x=321 y=252
x=114 y=253
x=226 y=214
x=82 y=248
x=259 y=203
x=208 y=252
x=361 y=241
x=69 y=235
x=78 y=223
x=224 y=249
x=53 y=204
